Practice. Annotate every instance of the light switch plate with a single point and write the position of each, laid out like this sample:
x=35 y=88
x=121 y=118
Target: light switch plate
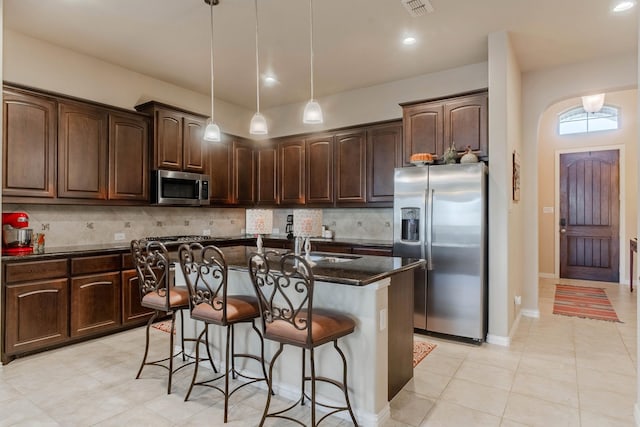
x=118 y=236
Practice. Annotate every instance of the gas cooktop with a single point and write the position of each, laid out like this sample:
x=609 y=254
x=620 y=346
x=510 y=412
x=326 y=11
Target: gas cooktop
x=169 y=239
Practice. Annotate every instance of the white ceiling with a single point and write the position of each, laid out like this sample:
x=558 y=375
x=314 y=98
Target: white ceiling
x=357 y=42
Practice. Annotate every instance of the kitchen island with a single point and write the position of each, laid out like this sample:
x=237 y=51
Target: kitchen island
x=375 y=291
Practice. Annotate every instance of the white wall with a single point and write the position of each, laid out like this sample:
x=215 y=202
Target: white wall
x=376 y=103
x=505 y=217
x=42 y=65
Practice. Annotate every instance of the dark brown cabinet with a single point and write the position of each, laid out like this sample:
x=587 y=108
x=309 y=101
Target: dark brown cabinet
x=266 y=173
x=82 y=151
x=29 y=145
x=243 y=172
x=132 y=311
x=95 y=294
x=219 y=161
x=432 y=126
x=292 y=172
x=351 y=171
x=465 y=124
x=177 y=138
x=128 y=157
x=384 y=154
x=319 y=170
x=423 y=129
x=36 y=306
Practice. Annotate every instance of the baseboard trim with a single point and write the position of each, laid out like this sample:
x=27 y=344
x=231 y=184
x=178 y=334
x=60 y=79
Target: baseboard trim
x=547 y=276
x=530 y=313
x=499 y=340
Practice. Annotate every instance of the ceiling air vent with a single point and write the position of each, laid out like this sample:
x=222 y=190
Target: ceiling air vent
x=417 y=7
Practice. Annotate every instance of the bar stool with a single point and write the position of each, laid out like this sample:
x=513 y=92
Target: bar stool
x=205 y=271
x=158 y=292
x=284 y=286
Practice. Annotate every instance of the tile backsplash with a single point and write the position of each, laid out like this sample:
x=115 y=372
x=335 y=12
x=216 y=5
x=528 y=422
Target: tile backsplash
x=82 y=225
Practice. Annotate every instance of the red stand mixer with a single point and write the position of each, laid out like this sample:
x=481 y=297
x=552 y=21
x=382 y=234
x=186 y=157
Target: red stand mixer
x=16 y=237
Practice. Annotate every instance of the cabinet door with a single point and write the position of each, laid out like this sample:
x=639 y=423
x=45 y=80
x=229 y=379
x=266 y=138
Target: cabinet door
x=82 y=151
x=29 y=145
x=422 y=130
x=351 y=167
x=243 y=167
x=132 y=311
x=168 y=140
x=266 y=174
x=219 y=170
x=292 y=172
x=95 y=303
x=128 y=157
x=384 y=148
x=36 y=315
x=319 y=173
x=193 y=144
x=465 y=123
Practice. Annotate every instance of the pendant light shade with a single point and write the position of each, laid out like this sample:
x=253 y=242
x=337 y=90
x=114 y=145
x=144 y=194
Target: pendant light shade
x=312 y=111
x=212 y=131
x=593 y=103
x=258 y=125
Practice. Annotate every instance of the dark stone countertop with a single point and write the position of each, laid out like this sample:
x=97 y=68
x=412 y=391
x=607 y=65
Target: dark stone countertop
x=360 y=270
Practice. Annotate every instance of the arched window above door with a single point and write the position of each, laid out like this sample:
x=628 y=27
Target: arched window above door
x=576 y=120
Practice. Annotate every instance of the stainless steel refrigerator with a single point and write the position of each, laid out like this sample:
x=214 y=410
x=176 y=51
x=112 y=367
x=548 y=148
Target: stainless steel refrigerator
x=440 y=215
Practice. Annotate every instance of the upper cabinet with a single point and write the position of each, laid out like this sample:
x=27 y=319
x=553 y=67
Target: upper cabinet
x=432 y=126
x=128 y=157
x=82 y=151
x=319 y=170
x=384 y=154
x=351 y=170
x=219 y=163
x=177 y=138
x=243 y=171
x=292 y=171
x=29 y=144
x=266 y=155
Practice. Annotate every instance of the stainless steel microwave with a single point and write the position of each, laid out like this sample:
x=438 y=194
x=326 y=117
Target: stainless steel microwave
x=179 y=188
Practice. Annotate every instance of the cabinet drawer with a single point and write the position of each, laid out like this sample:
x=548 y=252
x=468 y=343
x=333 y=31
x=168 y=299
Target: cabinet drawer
x=35 y=270
x=127 y=261
x=95 y=264
x=328 y=247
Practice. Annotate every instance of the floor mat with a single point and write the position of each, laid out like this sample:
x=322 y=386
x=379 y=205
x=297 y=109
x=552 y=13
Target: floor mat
x=583 y=301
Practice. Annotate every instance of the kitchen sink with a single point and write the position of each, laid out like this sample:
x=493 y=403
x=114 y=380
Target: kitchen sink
x=332 y=258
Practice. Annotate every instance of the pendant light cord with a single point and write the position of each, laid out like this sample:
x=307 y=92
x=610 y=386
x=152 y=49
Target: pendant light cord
x=257 y=63
x=211 y=9
x=311 y=41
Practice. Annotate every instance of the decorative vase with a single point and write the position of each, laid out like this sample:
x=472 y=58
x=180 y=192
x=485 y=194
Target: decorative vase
x=468 y=156
x=451 y=154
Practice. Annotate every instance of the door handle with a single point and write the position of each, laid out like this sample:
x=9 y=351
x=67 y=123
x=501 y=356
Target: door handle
x=563 y=230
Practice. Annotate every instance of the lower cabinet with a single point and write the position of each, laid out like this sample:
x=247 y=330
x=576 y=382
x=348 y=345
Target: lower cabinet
x=132 y=311
x=95 y=303
x=36 y=315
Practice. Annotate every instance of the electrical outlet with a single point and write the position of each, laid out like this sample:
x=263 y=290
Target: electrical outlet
x=518 y=299
x=118 y=236
x=206 y=232
x=275 y=231
x=383 y=319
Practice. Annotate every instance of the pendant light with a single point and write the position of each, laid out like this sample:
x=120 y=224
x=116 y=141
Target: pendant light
x=258 y=125
x=212 y=131
x=312 y=111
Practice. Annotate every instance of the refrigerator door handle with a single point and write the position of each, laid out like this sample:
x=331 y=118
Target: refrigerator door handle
x=429 y=230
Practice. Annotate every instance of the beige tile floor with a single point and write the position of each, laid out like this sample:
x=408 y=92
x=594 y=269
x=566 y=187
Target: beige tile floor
x=559 y=371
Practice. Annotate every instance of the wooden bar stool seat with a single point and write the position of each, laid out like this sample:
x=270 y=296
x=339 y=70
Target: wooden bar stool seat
x=159 y=293
x=205 y=271
x=284 y=286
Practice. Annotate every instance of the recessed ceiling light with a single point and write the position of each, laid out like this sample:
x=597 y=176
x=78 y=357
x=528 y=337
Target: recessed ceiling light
x=623 y=5
x=409 y=40
x=269 y=79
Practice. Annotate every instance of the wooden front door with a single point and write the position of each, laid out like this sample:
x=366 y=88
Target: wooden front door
x=590 y=215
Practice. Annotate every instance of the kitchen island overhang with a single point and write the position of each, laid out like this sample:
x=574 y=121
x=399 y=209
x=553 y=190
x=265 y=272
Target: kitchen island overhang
x=377 y=292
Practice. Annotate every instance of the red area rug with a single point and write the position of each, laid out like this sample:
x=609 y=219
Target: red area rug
x=420 y=350
x=164 y=326
x=583 y=301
